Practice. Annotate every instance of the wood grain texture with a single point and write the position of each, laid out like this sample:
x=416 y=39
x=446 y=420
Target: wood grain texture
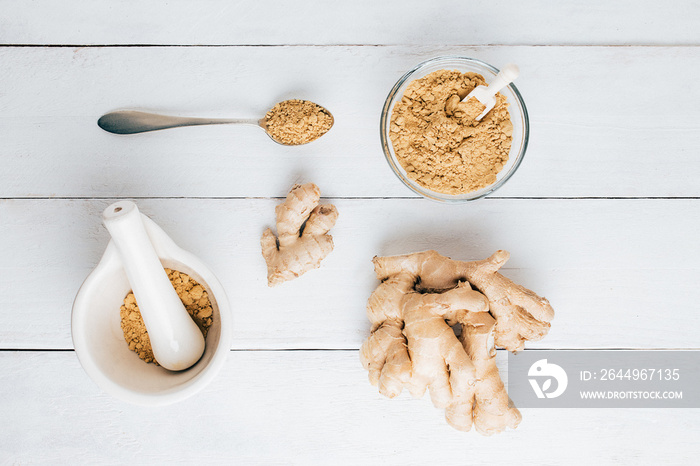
x=221 y=22
x=305 y=408
x=614 y=270
x=598 y=130
x=614 y=114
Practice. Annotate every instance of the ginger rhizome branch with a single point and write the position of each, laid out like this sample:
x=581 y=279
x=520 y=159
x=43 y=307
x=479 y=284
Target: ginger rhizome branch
x=420 y=299
x=302 y=240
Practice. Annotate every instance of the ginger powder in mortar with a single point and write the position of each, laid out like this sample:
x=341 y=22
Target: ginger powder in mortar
x=437 y=140
x=193 y=296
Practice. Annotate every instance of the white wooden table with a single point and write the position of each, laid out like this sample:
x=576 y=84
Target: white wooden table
x=602 y=217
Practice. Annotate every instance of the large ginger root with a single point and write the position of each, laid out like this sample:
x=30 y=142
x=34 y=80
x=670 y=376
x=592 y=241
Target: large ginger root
x=412 y=344
x=303 y=240
x=520 y=314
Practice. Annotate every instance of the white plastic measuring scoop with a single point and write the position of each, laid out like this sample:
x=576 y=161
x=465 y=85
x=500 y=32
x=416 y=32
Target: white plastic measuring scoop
x=486 y=94
x=176 y=340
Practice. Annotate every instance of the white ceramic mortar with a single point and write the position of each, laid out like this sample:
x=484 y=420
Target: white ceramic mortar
x=99 y=340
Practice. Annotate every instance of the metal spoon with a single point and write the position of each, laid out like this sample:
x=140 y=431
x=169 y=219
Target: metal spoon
x=131 y=122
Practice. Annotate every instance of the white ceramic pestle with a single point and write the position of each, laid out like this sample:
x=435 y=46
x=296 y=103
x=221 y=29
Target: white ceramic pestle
x=485 y=94
x=176 y=340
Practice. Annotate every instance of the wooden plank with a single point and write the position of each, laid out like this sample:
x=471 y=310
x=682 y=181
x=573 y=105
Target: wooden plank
x=616 y=271
x=365 y=22
x=598 y=129
x=303 y=408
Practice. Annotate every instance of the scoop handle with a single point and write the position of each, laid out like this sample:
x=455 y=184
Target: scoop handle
x=176 y=340
x=504 y=77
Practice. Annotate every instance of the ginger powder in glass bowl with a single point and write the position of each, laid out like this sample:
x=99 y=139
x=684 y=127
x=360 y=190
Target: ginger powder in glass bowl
x=435 y=146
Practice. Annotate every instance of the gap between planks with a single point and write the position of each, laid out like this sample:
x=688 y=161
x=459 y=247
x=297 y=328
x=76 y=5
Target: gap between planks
x=351 y=198
x=347 y=350
x=524 y=44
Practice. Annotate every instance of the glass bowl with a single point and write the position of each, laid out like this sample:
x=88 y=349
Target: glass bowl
x=518 y=116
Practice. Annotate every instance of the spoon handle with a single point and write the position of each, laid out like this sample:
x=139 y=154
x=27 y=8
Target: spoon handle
x=131 y=122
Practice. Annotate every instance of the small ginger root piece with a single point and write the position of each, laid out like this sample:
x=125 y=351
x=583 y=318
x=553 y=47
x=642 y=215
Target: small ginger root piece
x=303 y=240
x=421 y=298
